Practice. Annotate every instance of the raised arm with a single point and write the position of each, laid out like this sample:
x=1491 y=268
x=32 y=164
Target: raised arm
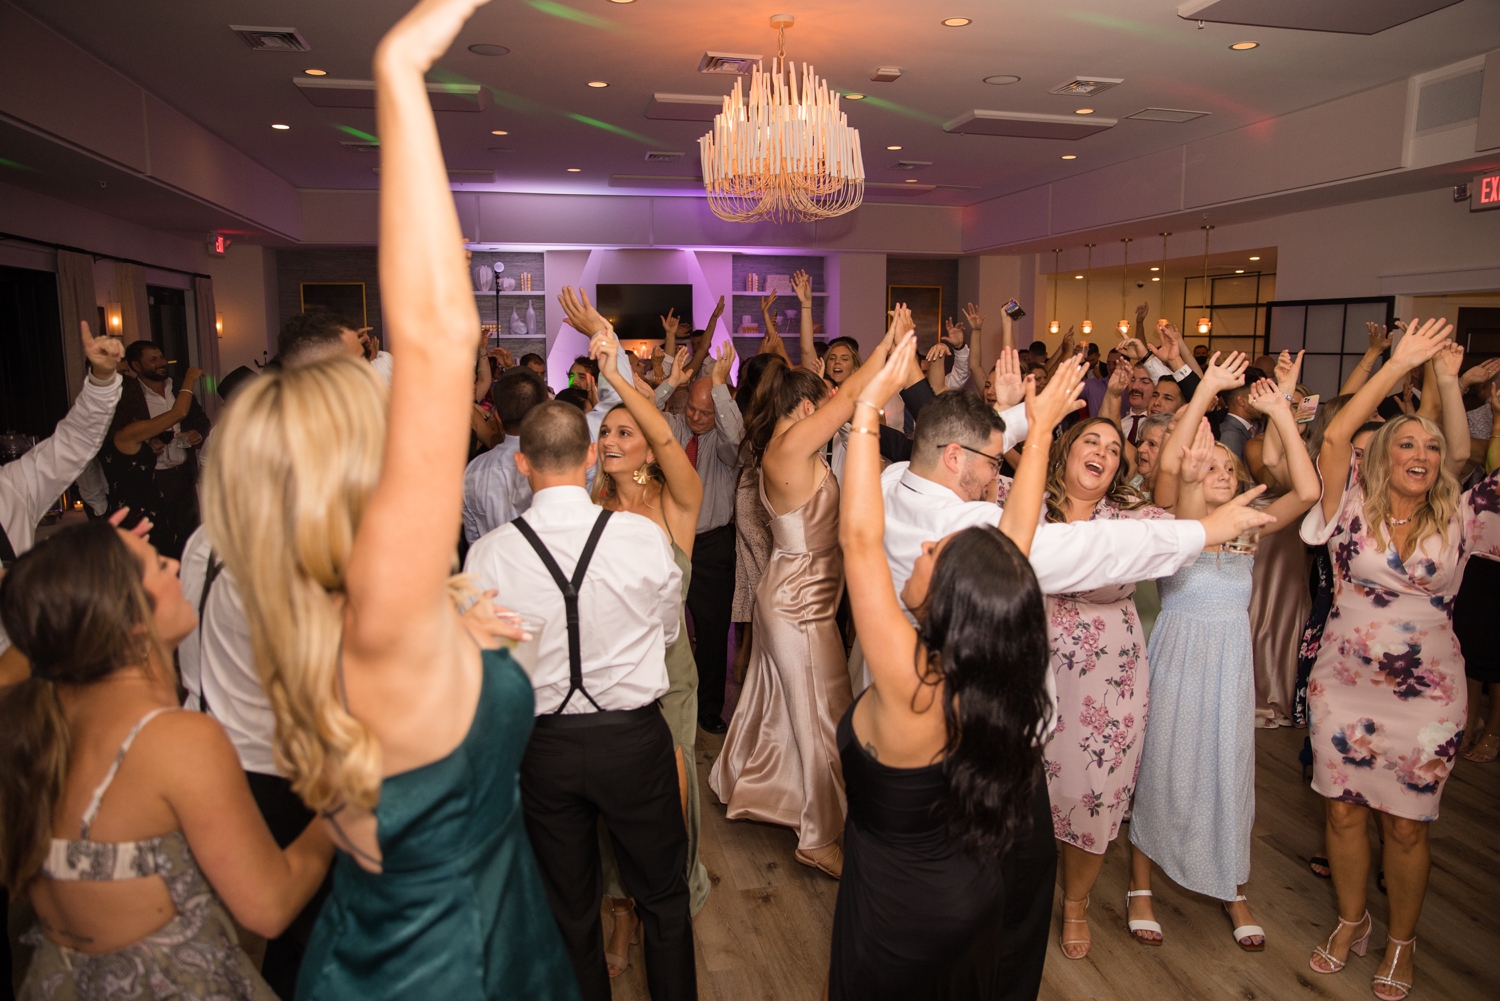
x=129 y=437
x=1064 y=348
x=802 y=285
x=1023 y=504
x=1418 y=344
x=1114 y=391
x=683 y=486
x=402 y=554
x=889 y=639
x=701 y=346
x=975 y=319
x=1216 y=379
x=1380 y=341
x=1305 y=487
x=1446 y=365
x=808 y=436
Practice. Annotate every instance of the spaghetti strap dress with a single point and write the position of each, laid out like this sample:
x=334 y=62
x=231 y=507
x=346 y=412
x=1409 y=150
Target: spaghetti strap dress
x=459 y=911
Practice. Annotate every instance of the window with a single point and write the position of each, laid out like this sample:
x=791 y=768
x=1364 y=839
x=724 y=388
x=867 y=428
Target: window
x=1331 y=331
x=33 y=376
x=1236 y=305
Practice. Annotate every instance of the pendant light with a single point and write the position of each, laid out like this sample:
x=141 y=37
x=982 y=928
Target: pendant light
x=1163 y=296
x=1087 y=326
x=1205 y=323
x=1054 y=326
x=1124 y=324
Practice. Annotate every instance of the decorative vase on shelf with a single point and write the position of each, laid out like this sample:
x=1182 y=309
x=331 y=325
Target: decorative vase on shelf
x=517 y=328
x=484 y=278
x=530 y=317
x=507 y=284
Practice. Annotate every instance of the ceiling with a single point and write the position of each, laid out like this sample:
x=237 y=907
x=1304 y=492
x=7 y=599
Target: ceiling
x=186 y=55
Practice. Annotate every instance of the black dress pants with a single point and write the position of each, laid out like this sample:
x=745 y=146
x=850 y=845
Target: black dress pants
x=287 y=817
x=710 y=598
x=619 y=766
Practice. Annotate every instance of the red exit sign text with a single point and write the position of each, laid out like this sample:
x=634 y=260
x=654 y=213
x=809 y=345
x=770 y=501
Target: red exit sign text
x=1484 y=192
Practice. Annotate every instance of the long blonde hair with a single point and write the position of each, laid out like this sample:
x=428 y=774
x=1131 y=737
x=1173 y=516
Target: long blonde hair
x=294 y=462
x=1434 y=515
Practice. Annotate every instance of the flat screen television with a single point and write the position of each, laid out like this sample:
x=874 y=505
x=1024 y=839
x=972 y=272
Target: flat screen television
x=636 y=310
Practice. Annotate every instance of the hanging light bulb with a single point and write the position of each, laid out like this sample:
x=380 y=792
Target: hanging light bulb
x=1124 y=325
x=1205 y=323
x=1054 y=326
x=1087 y=326
x=1163 y=296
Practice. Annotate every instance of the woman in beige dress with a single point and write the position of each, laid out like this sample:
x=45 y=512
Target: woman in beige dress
x=780 y=761
x=752 y=525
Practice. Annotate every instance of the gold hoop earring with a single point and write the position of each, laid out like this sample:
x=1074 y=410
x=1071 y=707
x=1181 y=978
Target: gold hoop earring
x=642 y=475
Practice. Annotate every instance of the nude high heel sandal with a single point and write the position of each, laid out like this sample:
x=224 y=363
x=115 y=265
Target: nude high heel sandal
x=619 y=964
x=1394 y=990
x=1064 y=942
x=1358 y=946
x=1139 y=929
x=1245 y=935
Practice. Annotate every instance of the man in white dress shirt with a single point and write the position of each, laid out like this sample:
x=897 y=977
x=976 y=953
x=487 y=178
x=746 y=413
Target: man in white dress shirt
x=601 y=747
x=30 y=484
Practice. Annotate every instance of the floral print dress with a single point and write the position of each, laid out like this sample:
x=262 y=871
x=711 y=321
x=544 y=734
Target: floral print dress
x=1387 y=696
x=1099 y=665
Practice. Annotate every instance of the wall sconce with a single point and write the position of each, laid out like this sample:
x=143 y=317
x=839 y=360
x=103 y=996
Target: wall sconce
x=219 y=324
x=113 y=318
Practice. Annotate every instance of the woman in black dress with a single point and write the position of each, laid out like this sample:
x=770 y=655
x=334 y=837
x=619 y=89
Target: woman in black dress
x=941 y=754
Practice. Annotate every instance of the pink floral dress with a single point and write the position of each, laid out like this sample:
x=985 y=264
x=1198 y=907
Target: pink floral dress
x=1387 y=698
x=1099 y=664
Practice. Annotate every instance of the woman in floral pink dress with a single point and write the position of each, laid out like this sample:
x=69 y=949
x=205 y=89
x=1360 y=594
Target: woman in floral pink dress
x=1099 y=663
x=1386 y=696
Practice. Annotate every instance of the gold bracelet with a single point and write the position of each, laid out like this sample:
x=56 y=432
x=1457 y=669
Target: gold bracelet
x=859 y=430
x=868 y=404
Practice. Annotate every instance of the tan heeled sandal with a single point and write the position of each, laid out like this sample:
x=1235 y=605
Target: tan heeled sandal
x=831 y=861
x=1087 y=943
x=619 y=964
x=1396 y=990
x=1358 y=946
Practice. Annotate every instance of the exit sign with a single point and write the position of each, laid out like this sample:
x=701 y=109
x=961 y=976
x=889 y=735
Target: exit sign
x=1484 y=192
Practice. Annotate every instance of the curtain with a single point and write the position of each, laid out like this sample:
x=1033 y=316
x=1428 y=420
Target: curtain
x=75 y=297
x=208 y=345
x=135 y=315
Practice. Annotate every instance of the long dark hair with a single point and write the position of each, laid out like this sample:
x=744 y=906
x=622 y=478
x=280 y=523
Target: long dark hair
x=780 y=391
x=76 y=607
x=752 y=369
x=984 y=632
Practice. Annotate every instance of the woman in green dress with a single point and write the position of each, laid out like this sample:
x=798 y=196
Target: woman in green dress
x=644 y=470
x=335 y=510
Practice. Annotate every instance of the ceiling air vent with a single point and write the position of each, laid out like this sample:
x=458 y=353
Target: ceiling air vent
x=684 y=107
x=1166 y=115
x=271 y=39
x=1081 y=86
x=1368 y=18
x=662 y=156
x=886 y=74
x=361 y=145
x=728 y=63
x=1022 y=125
x=911 y=164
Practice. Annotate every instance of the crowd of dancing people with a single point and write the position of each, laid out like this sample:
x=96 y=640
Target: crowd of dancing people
x=421 y=700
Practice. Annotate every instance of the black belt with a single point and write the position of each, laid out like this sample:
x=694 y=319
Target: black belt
x=569 y=590
x=605 y=717
x=726 y=527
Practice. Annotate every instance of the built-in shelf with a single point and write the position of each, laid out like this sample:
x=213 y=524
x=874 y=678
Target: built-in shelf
x=535 y=291
x=779 y=294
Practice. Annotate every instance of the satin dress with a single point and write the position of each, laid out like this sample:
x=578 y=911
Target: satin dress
x=780 y=762
x=1279 y=605
x=1387 y=696
x=459 y=912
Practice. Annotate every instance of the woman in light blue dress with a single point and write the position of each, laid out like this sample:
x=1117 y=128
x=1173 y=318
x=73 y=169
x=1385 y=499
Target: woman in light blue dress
x=1195 y=795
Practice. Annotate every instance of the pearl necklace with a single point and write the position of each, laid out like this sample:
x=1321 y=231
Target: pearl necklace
x=1398 y=521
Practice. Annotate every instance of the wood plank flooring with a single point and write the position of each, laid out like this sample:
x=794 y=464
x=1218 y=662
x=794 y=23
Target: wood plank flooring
x=764 y=932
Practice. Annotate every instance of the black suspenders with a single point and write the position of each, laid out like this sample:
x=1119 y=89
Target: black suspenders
x=7 y=554
x=569 y=589
x=211 y=574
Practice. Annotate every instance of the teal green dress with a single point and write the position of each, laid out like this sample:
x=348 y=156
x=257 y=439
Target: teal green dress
x=459 y=912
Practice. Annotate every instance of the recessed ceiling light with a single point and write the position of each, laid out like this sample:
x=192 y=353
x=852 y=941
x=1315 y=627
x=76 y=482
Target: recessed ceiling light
x=1156 y=279
x=1083 y=111
x=1255 y=258
x=1156 y=269
x=499 y=132
x=1070 y=156
x=1245 y=46
x=911 y=180
x=486 y=49
x=1003 y=80
x=1239 y=271
x=574 y=170
x=596 y=84
x=281 y=128
x=854 y=97
x=1078 y=276
x=316 y=72
x=957 y=22
x=893 y=147
x=622 y=1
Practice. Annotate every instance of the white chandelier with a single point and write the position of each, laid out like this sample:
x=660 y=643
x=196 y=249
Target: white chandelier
x=782 y=155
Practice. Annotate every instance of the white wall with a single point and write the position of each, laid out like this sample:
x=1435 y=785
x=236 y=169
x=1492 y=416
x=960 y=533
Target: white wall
x=244 y=280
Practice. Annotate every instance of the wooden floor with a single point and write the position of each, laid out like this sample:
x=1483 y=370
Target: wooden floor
x=764 y=931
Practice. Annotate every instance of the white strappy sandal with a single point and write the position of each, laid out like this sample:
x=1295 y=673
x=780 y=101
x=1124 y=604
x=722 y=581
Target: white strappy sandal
x=1244 y=933
x=1137 y=927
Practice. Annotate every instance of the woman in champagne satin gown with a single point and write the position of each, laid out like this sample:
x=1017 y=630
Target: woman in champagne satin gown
x=780 y=760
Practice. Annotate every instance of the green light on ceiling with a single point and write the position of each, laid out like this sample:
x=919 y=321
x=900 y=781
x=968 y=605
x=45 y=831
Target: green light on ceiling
x=572 y=14
x=607 y=127
x=899 y=109
x=357 y=133
x=13 y=165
